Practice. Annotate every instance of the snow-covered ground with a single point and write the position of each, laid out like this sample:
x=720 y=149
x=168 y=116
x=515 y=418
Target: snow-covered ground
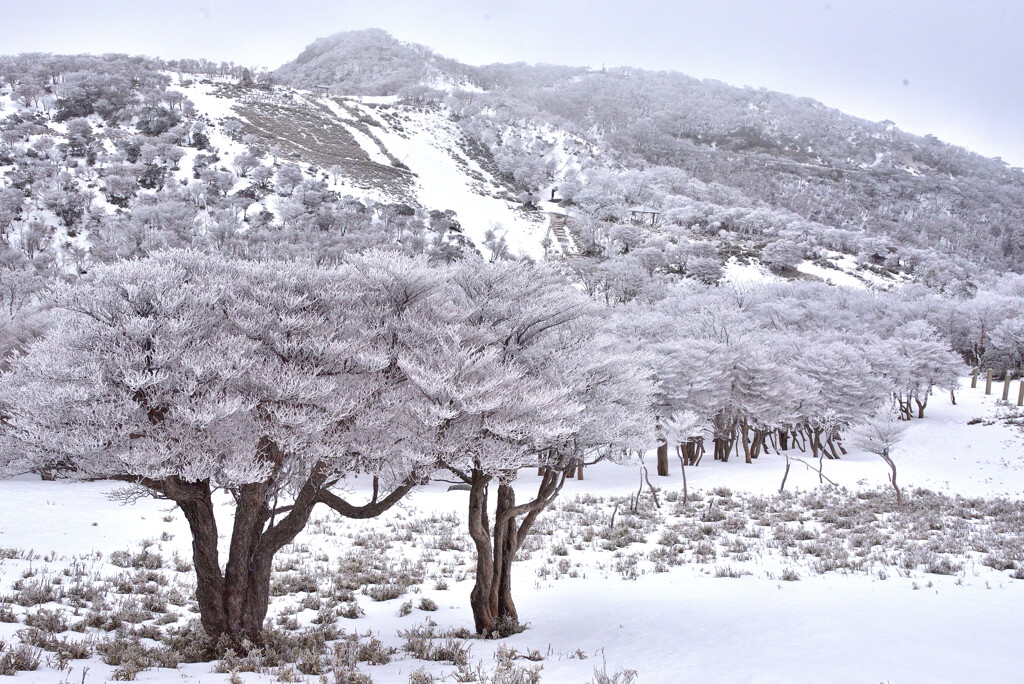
x=588 y=603
x=848 y=273
x=748 y=273
x=830 y=275
x=428 y=145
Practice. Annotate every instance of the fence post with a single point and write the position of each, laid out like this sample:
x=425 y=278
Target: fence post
x=1020 y=395
x=974 y=379
x=1006 y=386
x=988 y=381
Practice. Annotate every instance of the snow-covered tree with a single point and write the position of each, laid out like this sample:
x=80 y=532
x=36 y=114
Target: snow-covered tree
x=526 y=378
x=184 y=375
x=878 y=435
x=1008 y=339
x=244 y=163
x=288 y=177
x=783 y=254
x=915 y=360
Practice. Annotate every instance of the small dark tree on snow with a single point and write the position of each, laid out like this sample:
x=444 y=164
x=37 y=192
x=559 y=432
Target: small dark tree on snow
x=185 y=375
x=878 y=435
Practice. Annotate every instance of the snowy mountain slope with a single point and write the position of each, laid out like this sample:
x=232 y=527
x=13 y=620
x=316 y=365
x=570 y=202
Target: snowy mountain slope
x=924 y=207
x=447 y=176
x=375 y=148
x=225 y=140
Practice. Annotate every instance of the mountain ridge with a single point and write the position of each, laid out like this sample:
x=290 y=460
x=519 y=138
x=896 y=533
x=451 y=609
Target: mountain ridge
x=737 y=176
x=859 y=175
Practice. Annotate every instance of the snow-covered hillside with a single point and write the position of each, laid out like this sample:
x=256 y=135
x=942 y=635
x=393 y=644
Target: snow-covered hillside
x=374 y=148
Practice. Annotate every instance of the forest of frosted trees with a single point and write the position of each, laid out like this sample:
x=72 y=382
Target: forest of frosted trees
x=157 y=329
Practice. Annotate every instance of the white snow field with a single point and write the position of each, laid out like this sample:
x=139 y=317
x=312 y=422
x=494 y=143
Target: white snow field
x=742 y=603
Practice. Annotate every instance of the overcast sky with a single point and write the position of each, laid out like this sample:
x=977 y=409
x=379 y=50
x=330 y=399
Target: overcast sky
x=951 y=68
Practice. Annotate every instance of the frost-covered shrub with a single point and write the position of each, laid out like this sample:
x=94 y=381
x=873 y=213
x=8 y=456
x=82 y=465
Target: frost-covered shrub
x=20 y=658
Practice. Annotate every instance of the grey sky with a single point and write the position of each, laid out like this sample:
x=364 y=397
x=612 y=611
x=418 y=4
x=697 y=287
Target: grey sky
x=952 y=68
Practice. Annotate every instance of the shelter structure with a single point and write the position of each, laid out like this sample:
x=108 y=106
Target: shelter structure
x=643 y=215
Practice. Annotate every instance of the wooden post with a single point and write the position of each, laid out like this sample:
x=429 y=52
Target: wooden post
x=1006 y=386
x=974 y=379
x=988 y=381
x=1020 y=395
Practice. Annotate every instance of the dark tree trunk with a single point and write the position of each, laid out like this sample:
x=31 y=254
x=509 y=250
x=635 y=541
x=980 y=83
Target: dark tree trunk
x=485 y=618
x=758 y=444
x=506 y=544
x=785 y=474
x=683 y=452
x=723 y=445
x=892 y=477
x=798 y=441
x=198 y=511
x=691 y=452
x=906 y=409
x=663 y=459
x=494 y=611
x=745 y=440
x=233 y=603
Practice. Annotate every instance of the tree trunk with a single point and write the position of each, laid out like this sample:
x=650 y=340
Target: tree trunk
x=506 y=543
x=484 y=618
x=491 y=598
x=745 y=440
x=723 y=445
x=233 y=604
x=198 y=511
x=663 y=459
x=892 y=478
x=682 y=452
x=798 y=441
x=758 y=444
